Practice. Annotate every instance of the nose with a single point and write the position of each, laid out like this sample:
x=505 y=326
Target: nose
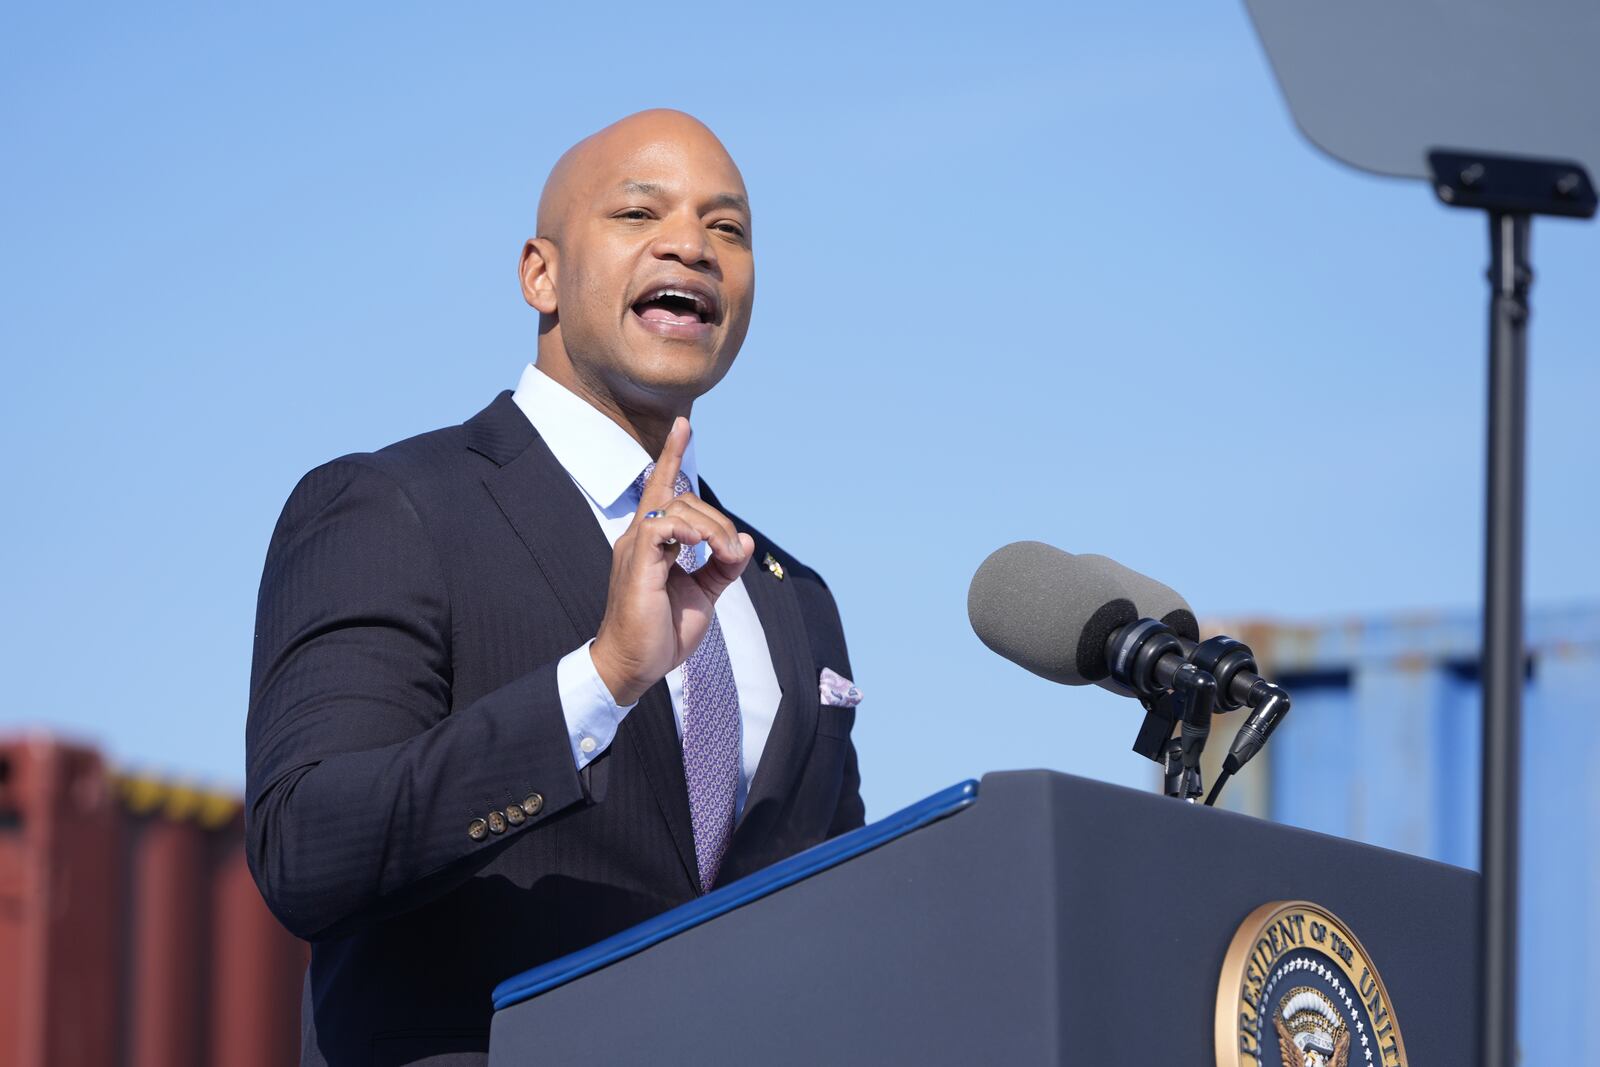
x=682 y=237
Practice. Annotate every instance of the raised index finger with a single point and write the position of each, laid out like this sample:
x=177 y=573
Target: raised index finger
x=658 y=488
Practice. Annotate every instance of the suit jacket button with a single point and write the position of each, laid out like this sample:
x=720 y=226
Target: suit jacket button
x=533 y=804
x=514 y=816
x=497 y=822
x=477 y=829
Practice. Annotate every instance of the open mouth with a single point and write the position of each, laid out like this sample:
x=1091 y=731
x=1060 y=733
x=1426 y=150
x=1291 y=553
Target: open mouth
x=676 y=308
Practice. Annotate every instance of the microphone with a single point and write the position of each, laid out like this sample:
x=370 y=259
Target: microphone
x=1088 y=619
x=1048 y=612
x=1152 y=599
x=1080 y=619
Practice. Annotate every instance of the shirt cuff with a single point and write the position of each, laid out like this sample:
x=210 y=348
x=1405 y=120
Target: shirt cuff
x=592 y=713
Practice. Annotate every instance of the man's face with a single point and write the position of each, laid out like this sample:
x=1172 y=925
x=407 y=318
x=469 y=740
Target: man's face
x=654 y=273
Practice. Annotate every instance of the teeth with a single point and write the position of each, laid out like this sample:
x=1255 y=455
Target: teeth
x=695 y=298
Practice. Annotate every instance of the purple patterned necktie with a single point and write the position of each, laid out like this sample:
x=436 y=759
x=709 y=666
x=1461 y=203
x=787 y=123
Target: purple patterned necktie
x=712 y=746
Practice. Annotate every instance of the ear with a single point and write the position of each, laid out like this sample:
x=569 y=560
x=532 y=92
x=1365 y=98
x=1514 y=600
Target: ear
x=538 y=273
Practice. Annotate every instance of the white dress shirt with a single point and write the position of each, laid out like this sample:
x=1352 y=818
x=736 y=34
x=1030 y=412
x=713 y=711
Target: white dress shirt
x=604 y=462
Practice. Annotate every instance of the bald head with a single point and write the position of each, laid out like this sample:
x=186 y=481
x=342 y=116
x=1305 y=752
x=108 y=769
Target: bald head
x=643 y=271
x=572 y=180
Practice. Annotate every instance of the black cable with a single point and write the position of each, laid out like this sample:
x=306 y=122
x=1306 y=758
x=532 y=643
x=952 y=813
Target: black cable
x=1216 y=787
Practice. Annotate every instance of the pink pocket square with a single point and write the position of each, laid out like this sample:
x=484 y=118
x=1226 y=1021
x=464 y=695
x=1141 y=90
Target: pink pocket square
x=837 y=691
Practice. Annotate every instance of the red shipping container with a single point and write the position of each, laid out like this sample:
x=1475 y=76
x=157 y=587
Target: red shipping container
x=60 y=949
x=131 y=933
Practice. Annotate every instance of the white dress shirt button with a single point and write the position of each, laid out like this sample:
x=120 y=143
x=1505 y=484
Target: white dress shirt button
x=587 y=744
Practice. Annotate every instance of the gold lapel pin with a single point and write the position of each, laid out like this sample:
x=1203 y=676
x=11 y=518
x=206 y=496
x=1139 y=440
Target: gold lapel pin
x=774 y=566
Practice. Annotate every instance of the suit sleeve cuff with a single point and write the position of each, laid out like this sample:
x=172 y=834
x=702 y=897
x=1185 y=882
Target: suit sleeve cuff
x=592 y=713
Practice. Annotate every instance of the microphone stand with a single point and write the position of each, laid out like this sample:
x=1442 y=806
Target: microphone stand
x=1191 y=700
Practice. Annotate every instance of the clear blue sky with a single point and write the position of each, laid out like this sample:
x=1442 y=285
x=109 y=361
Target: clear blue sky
x=996 y=244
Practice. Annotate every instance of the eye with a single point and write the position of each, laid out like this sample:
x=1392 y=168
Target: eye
x=632 y=214
x=729 y=227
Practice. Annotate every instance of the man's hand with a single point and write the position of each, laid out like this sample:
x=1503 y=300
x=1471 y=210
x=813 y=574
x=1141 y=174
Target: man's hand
x=656 y=612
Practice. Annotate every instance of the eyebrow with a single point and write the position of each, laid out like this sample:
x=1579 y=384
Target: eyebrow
x=733 y=200
x=728 y=200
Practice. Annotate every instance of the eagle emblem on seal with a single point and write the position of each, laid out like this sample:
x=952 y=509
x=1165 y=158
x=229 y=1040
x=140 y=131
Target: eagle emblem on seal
x=1311 y=1033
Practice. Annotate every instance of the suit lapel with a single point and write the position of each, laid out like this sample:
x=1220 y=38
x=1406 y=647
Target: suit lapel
x=553 y=520
x=551 y=517
x=795 y=725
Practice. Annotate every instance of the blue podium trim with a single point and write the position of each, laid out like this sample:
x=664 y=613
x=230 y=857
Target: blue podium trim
x=736 y=894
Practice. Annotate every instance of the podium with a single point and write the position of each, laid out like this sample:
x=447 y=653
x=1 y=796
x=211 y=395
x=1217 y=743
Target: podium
x=1032 y=918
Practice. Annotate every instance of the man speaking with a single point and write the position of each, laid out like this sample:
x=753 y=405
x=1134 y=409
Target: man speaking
x=523 y=682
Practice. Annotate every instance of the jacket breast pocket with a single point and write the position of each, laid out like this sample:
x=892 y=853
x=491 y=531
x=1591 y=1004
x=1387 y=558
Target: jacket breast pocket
x=835 y=721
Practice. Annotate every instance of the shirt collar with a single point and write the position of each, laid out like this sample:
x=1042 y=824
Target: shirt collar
x=599 y=455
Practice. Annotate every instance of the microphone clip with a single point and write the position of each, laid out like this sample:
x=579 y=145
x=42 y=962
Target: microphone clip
x=1192 y=698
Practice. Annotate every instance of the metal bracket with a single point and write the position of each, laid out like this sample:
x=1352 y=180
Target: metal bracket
x=1512 y=184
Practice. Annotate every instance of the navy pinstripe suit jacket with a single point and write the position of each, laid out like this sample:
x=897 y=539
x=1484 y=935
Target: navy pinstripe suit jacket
x=413 y=606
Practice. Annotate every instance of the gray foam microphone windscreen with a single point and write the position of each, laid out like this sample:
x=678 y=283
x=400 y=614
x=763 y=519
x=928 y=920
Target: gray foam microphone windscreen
x=1048 y=610
x=1152 y=599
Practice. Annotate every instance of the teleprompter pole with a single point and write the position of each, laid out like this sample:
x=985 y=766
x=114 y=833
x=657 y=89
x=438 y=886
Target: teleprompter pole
x=1510 y=278
x=1512 y=189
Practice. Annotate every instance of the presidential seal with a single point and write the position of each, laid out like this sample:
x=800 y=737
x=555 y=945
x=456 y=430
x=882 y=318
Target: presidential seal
x=1298 y=990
